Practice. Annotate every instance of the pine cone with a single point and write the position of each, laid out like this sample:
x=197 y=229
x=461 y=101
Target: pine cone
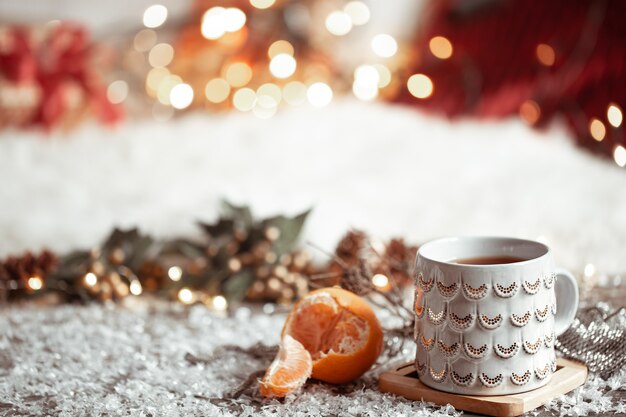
x=15 y=271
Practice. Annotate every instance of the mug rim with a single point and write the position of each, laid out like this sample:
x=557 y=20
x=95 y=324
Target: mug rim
x=444 y=240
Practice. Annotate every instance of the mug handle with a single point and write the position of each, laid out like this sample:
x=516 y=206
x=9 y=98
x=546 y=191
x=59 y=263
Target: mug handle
x=566 y=291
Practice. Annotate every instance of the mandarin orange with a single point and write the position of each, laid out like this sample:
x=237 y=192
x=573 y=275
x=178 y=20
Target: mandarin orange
x=339 y=331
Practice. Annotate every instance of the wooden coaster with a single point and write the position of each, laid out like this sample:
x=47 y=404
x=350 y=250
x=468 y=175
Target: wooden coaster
x=403 y=381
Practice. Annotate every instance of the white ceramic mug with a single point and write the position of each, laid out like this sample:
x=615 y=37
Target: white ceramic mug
x=489 y=329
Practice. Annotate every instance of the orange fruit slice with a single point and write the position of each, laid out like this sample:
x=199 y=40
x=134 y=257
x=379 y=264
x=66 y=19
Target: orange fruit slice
x=339 y=331
x=289 y=371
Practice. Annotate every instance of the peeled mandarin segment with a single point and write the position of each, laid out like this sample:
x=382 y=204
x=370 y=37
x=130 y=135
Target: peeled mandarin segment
x=340 y=331
x=289 y=370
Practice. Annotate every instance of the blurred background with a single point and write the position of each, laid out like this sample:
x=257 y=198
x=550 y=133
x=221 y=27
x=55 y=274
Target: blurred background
x=416 y=119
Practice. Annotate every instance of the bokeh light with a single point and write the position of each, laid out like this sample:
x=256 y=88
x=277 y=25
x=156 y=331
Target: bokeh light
x=154 y=78
x=384 y=45
x=294 y=93
x=144 y=40
x=154 y=16
x=384 y=75
x=185 y=296
x=135 y=287
x=614 y=115
x=35 y=283
x=217 y=90
x=280 y=47
x=117 y=91
x=262 y=4
x=283 y=66
x=238 y=74
x=440 y=47
x=545 y=54
x=420 y=86
x=181 y=96
x=217 y=21
x=619 y=154
x=338 y=23
x=161 y=55
x=90 y=279
x=165 y=88
x=270 y=90
x=597 y=129
x=244 y=99
x=358 y=12
x=319 y=94
x=380 y=280
x=530 y=112
x=175 y=273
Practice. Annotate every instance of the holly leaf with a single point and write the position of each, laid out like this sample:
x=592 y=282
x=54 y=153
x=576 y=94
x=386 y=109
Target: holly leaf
x=236 y=286
x=222 y=227
x=290 y=228
x=237 y=213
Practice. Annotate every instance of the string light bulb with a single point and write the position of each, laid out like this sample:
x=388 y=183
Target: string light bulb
x=135 y=287
x=220 y=303
x=175 y=273
x=185 y=296
x=380 y=280
x=90 y=279
x=35 y=283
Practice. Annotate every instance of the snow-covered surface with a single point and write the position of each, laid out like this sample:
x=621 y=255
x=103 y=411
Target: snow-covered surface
x=385 y=169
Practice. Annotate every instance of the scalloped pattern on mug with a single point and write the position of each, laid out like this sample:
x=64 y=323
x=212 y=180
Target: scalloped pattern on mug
x=447 y=291
x=542 y=314
x=462 y=381
x=506 y=352
x=549 y=280
x=506 y=291
x=521 y=321
x=427 y=343
x=475 y=293
x=424 y=284
x=520 y=379
x=436 y=318
x=490 y=382
x=490 y=323
x=532 y=348
x=475 y=352
x=461 y=323
x=542 y=372
x=553 y=365
x=448 y=351
x=420 y=367
x=531 y=287
x=549 y=340
x=438 y=376
x=420 y=306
